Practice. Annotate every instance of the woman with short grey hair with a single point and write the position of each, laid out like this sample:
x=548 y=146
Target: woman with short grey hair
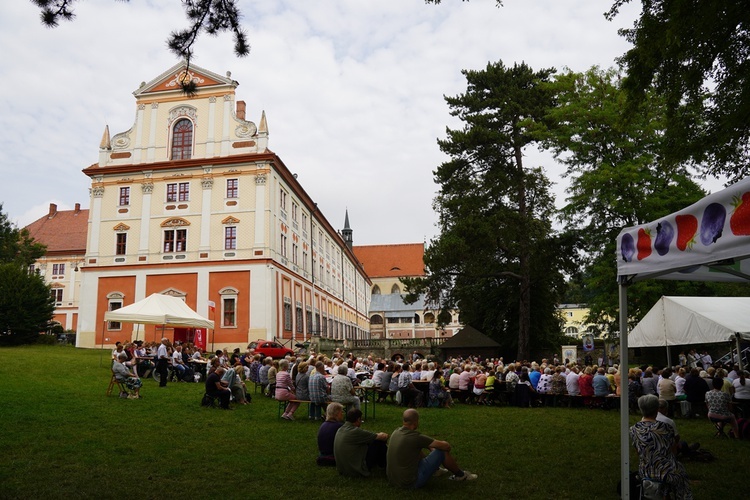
x=656 y=445
x=342 y=390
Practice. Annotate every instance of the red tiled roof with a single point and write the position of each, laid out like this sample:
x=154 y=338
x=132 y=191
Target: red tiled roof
x=62 y=231
x=382 y=261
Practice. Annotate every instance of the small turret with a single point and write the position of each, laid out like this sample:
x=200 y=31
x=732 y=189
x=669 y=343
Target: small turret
x=347 y=234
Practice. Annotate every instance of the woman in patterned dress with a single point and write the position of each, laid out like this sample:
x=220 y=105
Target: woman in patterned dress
x=656 y=445
x=719 y=404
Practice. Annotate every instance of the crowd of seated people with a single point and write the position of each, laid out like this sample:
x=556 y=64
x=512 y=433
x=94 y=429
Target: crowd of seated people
x=471 y=380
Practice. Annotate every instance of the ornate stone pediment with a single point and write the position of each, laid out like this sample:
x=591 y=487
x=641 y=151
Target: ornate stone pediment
x=175 y=222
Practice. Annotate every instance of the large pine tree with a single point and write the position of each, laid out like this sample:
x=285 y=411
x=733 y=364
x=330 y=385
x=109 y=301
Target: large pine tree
x=497 y=258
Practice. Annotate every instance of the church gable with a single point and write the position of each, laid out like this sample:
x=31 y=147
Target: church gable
x=172 y=79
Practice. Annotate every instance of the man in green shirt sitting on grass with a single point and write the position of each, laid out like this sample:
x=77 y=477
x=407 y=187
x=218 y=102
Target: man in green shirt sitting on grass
x=408 y=467
x=358 y=451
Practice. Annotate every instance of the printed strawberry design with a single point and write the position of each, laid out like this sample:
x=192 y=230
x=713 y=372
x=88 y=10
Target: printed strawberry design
x=687 y=226
x=739 y=223
x=644 y=243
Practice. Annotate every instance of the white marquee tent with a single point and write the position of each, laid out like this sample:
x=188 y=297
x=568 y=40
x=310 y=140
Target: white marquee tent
x=158 y=309
x=675 y=321
x=707 y=241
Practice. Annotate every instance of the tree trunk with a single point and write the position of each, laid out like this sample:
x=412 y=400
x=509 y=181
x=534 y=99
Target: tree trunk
x=524 y=299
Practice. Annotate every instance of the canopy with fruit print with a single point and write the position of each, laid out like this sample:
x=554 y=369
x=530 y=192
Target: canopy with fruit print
x=707 y=241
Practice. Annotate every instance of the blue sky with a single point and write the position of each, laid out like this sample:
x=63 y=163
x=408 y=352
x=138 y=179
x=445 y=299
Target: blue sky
x=352 y=90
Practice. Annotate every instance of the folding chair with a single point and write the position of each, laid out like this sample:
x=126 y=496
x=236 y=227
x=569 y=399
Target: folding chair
x=719 y=426
x=120 y=385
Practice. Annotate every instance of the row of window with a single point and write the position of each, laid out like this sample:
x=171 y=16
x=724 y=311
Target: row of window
x=326 y=327
x=175 y=241
x=180 y=191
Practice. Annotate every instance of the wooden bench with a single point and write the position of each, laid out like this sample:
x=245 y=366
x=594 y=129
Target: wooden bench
x=283 y=403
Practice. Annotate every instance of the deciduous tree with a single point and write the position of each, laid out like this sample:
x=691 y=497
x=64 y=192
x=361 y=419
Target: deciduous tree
x=694 y=54
x=617 y=179
x=26 y=305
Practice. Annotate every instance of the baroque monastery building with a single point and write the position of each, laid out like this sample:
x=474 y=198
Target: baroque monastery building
x=190 y=202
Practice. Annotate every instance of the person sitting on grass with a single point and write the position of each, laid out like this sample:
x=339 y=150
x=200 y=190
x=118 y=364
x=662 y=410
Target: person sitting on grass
x=356 y=450
x=407 y=467
x=217 y=389
x=656 y=445
x=327 y=434
x=125 y=376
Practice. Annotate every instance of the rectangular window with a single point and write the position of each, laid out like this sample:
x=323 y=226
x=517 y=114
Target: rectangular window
x=324 y=327
x=287 y=317
x=308 y=316
x=282 y=199
x=178 y=192
x=229 y=317
x=175 y=240
x=230 y=238
x=114 y=325
x=121 y=245
x=299 y=325
x=283 y=245
x=294 y=212
x=124 y=196
x=171 y=192
x=304 y=261
x=232 y=188
x=294 y=253
x=58 y=269
x=57 y=294
x=183 y=192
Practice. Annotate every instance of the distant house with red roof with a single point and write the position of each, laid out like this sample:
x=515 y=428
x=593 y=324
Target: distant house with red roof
x=63 y=232
x=390 y=316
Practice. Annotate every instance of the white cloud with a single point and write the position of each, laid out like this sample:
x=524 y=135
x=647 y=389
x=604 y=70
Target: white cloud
x=353 y=90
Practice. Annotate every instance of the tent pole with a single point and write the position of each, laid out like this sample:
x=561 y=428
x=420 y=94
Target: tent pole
x=739 y=351
x=624 y=406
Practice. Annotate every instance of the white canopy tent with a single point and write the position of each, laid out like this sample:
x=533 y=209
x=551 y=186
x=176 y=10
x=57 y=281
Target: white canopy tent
x=675 y=321
x=158 y=309
x=707 y=241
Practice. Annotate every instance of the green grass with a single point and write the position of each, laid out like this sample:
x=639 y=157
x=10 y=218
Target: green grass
x=61 y=437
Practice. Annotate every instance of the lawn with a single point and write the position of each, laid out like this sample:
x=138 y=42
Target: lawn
x=63 y=438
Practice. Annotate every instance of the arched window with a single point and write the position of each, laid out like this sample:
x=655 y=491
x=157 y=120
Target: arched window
x=429 y=318
x=571 y=330
x=376 y=290
x=395 y=289
x=182 y=140
x=376 y=319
